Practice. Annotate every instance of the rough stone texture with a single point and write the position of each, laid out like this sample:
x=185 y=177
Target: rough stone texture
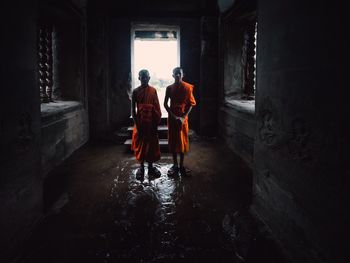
x=225 y=5
x=120 y=68
x=71 y=54
x=98 y=77
x=110 y=66
x=68 y=26
x=154 y=8
x=236 y=116
x=232 y=46
x=233 y=42
x=21 y=187
x=190 y=62
x=209 y=76
x=20 y=181
x=237 y=127
x=64 y=122
x=301 y=158
x=63 y=130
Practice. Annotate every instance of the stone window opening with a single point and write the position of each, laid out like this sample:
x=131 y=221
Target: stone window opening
x=58 y=81
x=149 y=45
x=61 y=65
x=249 y=54
x=53 y=102
x=238 y=53
x=45 y=63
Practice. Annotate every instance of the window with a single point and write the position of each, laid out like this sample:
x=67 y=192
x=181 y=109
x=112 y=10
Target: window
x=239 y=56
x=61 y=59
x=249 y=54
x=45 y=63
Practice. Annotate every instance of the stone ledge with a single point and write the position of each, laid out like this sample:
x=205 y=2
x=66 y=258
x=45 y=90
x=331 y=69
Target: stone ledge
x=244 y=106
x=55 y=110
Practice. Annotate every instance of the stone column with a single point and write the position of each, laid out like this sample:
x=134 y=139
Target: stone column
x=209 y=82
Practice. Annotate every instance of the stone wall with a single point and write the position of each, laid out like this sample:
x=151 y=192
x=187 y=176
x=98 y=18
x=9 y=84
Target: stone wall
x=34 y=141
x=236 y=114
x=63 y=130
x=120 y=64
x=237 y=128
x=209 y=76
x=301 y=148
x=21 y=183
x=110 y=58
x=98 y=76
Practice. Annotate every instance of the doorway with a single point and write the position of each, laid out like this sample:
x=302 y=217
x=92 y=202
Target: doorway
x=157 y=49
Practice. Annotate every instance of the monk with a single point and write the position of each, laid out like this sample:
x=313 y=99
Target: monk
x=182 y=100
x=145 y=143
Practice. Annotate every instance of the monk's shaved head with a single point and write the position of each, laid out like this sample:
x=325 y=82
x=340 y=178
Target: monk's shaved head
x=177 y=69
x=143 y=72
x=144 y=77
x=177 y=74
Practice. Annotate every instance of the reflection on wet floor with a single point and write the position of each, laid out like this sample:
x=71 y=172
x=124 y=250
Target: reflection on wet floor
x=105 y=214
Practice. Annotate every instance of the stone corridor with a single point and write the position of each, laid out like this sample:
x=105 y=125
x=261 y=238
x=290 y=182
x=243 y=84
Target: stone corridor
x=96 y=211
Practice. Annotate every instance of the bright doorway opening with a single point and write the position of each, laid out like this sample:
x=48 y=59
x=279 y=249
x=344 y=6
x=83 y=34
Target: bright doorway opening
x=157 y=49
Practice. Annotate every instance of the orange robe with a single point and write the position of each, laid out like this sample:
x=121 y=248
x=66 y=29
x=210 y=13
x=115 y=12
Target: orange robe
x=146 y=144
x=181 y=98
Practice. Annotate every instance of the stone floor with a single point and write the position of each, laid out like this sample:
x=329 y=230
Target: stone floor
x=98 y=212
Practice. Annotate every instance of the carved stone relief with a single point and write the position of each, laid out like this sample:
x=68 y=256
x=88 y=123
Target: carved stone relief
x=26 y=136
x=267 y=130
x=298 y=144
x=268 y=124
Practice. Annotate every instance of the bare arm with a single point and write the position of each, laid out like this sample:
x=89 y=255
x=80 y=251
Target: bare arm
x=133 y=109
x=187 y=112
x=166 y=106
x=183 y=117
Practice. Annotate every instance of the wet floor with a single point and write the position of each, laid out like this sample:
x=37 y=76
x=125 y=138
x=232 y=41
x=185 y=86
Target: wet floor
x=97 y=211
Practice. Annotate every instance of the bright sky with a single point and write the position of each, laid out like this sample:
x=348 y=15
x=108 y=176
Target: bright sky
x=159 y=57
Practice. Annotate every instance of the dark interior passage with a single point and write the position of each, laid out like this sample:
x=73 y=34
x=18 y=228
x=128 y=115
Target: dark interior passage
x=103 y=214
x=270 y=158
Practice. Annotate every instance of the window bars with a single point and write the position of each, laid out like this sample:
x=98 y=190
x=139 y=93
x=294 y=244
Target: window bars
x=45 y=64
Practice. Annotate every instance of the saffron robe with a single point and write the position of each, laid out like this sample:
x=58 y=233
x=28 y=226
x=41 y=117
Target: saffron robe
x=181 y=98
x=145 y=144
